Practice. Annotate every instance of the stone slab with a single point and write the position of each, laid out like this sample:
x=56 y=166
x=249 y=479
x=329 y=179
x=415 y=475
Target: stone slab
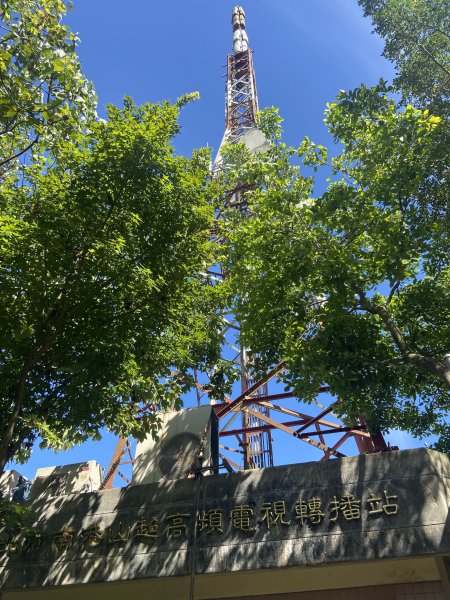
x=363 y=508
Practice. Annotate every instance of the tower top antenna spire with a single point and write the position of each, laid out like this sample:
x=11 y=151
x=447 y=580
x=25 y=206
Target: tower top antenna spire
x=240 y=39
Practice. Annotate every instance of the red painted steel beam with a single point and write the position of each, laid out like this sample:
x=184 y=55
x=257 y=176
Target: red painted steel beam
x=256 y=429
x=340 y=442
x=266 y=398
x=113 y=465
x=314 y=419
x=224 y=410
x=306 y=438
x=230 y=449
x=295 y=413
x=281 y=396
x=357 y=429
x=231 y=462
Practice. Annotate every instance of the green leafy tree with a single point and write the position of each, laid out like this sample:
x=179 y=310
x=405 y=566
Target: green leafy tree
x=417 y=41
x=102 y=304
x=43 y=95
x=351 y=288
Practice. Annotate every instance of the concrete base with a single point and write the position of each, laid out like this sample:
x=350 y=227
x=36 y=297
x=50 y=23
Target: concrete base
x=388 y=577
x=367 y=520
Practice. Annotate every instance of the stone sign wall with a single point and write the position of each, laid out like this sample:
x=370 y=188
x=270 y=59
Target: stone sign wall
x=370 y=507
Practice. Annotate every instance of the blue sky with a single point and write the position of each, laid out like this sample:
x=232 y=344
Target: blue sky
x=304 y=53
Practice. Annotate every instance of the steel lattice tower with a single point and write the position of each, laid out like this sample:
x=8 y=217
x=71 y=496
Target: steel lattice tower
x=255 y=405
x=241 y=103
x=255 y=402
x=241 y=113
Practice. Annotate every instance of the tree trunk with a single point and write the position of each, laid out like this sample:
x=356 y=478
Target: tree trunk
x=19 y=397
x=20 y=390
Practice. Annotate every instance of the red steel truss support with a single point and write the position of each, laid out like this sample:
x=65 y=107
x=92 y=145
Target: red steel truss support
x=273 y=424
x=293 y=432
x=308 y=427
x=225 y=409
x=315 y=419
x=121 y=448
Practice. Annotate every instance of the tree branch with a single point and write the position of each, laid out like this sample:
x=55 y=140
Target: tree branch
x=392 y=292
x=425 y=363
x=441 y=31
x=54 y=321
x=435 y=60
x=30 y=145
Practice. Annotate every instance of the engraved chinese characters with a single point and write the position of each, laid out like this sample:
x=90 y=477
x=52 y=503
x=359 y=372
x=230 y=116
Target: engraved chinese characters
x=242 y=517
x=309 y=511
x=386 y=505
x=273 y=513
x=298 y=514
x=211 y=520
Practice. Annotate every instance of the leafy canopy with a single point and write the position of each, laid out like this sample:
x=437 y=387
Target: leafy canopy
x=352 y=287
x=44 y=96
x=417 y=40
x=102 y=304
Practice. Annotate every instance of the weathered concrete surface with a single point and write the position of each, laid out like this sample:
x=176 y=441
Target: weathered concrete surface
x=416 y=481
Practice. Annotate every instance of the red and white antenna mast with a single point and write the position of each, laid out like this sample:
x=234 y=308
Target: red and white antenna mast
x=241 y=107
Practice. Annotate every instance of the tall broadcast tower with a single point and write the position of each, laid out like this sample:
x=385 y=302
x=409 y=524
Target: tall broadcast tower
x=255 y=404
x=241 y=113
x=246 y=422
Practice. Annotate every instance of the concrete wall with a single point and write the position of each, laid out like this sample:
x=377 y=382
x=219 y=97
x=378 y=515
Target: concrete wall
x=148 y=531
x=403 y=591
